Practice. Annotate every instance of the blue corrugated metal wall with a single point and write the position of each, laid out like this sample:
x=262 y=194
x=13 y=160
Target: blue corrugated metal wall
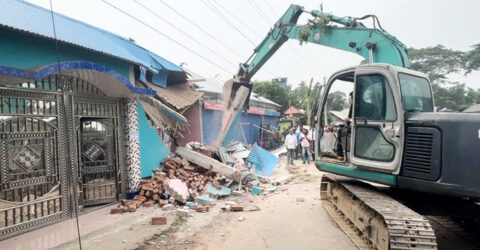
x=212 y=122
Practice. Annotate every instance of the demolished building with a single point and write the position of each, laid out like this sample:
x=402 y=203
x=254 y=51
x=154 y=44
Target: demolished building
x=73 y=128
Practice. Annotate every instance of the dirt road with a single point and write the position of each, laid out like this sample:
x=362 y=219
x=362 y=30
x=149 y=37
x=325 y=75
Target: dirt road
x=290 y=218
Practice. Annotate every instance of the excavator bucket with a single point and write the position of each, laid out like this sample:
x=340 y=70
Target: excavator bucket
x=230 y=89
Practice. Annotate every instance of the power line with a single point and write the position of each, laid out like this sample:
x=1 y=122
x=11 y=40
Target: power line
x=183 y=32
x=167 y=37
x=75 y=193
x=259 y=11
x=201 y=29
x=238 y=19
x=207 y=33
x=212 y=8
x=300 y=52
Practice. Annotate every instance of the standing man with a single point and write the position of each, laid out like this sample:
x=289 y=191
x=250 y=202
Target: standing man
x=298 y=132
x=291 y=144
x=305 y=143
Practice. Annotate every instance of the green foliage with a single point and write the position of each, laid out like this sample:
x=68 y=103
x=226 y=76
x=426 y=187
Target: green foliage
x=273 y=91
x=337 y=101
x=437 y=62
x=472 y=59
x=455 y=97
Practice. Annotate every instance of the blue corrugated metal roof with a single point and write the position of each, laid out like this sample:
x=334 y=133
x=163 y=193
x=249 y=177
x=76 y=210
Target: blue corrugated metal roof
x=33 y=19
x=264 y=161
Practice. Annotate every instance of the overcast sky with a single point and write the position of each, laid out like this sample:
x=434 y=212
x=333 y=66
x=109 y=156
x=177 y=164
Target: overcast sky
x=416 y=23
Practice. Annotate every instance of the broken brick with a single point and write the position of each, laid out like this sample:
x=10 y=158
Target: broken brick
x=124 y=202
x=236 y=208
x=159 y=220
x=144 y=181
x=117 y=210
x=132 y=207
x=149 y=203
x=202 y=209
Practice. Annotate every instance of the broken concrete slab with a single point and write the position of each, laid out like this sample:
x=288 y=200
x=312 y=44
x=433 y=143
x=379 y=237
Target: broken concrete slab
x=208 y=163
x=256 y=190
x=282 y=180
x=182 y=212
x=178 y=190
x=168 y=207
x=224 y=191
x=204 y=200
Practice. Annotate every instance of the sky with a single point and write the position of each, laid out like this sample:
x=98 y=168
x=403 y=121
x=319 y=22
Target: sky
x=245 y=23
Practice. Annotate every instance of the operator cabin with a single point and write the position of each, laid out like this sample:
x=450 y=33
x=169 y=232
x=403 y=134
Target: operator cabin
x=73 y=132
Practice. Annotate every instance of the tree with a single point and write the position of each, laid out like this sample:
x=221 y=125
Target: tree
x=273 y=91
x=437 y=62
x=337 y=101
x=472 y=59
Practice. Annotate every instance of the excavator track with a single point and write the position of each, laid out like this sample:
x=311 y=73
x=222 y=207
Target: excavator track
x=378 y=219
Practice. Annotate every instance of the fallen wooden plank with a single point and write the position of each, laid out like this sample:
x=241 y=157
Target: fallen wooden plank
x=208 y=163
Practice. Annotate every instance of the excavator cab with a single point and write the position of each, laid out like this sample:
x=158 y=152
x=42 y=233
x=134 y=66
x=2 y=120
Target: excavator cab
x=373 y=140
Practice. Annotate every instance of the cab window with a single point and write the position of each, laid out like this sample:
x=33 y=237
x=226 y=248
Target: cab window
x=374 y=99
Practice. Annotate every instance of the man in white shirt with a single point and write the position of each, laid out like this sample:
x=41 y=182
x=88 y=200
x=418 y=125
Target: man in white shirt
x=291 y=144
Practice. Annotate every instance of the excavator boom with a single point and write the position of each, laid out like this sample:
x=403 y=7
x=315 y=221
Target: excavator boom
x=374 y=44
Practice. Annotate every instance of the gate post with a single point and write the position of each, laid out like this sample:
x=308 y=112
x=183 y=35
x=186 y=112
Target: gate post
x=133 y=147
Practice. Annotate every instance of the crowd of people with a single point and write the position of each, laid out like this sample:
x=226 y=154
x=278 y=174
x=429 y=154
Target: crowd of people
x=299 y=142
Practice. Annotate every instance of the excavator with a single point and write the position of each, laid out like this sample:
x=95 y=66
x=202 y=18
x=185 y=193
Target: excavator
x=395 y=140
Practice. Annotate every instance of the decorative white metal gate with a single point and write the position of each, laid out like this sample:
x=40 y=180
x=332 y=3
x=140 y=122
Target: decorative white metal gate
x=61 y=148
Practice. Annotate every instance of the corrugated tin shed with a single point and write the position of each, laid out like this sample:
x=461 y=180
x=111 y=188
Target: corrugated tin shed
x=178 y=97
x=36 y=20
x=264 y=161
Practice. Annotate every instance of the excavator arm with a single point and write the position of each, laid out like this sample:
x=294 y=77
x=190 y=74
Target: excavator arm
x=374 y=44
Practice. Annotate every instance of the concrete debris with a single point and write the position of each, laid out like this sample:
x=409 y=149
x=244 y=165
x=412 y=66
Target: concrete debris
x=208 y=163
x=237 y=192
x=224 y=191
x=168 y=207
x=241 y=219
x=282 y=180
x=204 y=200
x=177 y=189
x=182 y=212
x=253 y=208
x=300 y=199
x=256 y=190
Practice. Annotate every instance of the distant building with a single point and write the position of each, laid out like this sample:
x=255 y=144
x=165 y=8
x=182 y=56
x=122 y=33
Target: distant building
x=261 y=113
x=282 y=80
x=339 y=116
x=473 y=109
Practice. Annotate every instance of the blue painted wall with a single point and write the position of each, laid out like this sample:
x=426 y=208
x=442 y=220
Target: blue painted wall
x=21 y=50
x=152 y=148
x=212 y=123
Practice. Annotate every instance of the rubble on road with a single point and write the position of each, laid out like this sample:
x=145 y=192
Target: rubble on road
x=192 y=179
